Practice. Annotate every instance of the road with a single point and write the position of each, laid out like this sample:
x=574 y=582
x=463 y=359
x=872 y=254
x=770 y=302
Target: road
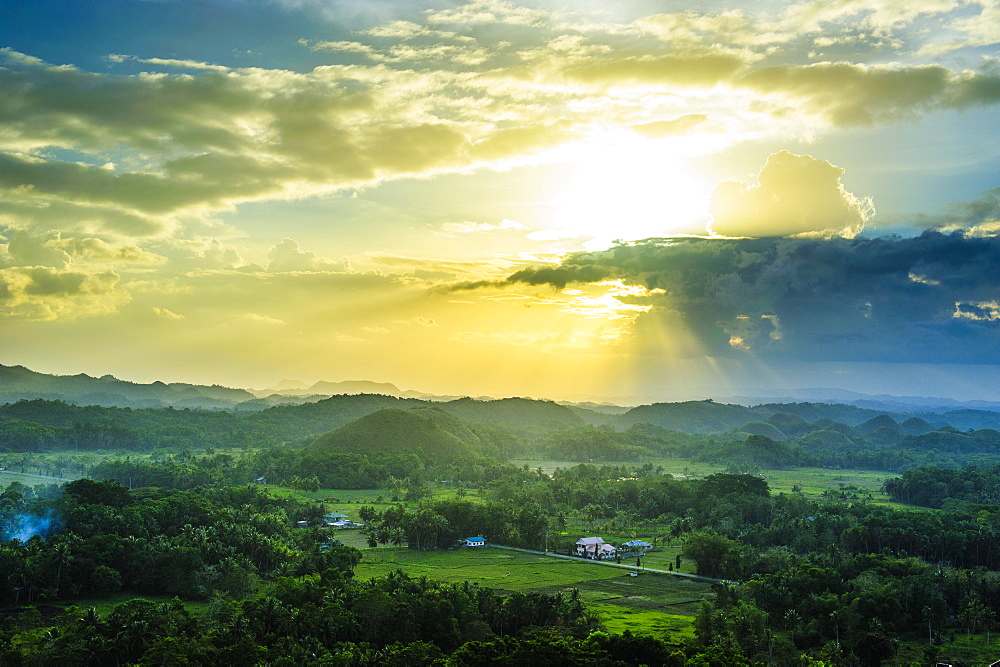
x=28 y=474
x=608 y=563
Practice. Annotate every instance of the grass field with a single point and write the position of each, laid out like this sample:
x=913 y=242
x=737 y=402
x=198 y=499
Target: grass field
x=103 y=605
x=29 y=479
x=647 y=604
x=813 y=482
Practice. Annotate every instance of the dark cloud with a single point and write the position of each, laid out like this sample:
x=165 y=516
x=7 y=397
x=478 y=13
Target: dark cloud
x=556 y=276
x=931 y=298
x=968 y=214
x=561 y=276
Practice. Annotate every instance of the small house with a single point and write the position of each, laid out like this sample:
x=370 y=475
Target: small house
x=589 y=546
x=635 y=547
x=595 y=548
x=475 y=542
x=606 y=552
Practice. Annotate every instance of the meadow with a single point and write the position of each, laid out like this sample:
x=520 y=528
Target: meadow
x=650 y=603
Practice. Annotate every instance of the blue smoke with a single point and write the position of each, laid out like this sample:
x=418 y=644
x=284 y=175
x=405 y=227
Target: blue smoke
x=23 y=527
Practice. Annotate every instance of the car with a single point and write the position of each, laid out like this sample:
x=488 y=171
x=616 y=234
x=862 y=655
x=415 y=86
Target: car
x=633 y=573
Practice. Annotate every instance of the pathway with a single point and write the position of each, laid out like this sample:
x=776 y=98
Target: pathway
x=609 y=563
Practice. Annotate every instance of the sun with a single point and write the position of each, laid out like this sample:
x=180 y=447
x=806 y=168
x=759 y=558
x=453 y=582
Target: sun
x=618 y=185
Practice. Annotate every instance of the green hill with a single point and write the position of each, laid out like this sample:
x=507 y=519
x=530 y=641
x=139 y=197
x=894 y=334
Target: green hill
x=813 y=412
x=20 y=383
x=521 y=413
x=765 y=429
x=826 y=439
x=916 y=426
x=423 y=431
x=875 y=423
x=789 y=424
x=690 y=416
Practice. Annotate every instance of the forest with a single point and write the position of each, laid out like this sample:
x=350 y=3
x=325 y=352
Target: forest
x=838 y=579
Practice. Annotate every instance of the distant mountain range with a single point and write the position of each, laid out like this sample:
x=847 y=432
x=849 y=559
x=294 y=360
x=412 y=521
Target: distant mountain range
x=873 y=401
x=71 y=410
x=20 y=383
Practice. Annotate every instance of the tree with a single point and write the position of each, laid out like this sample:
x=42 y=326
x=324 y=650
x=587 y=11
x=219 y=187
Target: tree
x=722 y=484
x=708 y=551
x=89 y=492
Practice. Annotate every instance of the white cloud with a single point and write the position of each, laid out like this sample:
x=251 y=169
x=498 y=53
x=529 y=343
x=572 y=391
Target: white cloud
x=482 y=227
x=167 y=314
x=286 y=256
x=419 y=321
x=794 y=195
x=263 y=319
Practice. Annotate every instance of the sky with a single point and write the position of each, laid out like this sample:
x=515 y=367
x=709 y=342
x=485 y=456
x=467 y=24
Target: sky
x=627 y=202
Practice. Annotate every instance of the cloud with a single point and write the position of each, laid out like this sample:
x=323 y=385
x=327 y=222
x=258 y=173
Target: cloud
x=482 y=227
x=975 y=31
x=52 y=249
x=420 y=321
x=47 y=293
x=806 y=299
x=847 y=94
x=794 y=194
x=979 y=217
x=987 y=311
x=167 y=314
x=26 y=249
x=263 y=319
x=617 y=69
x=488 y=12
x=190 y=138
x=696 y=28
x=286 y=256
x=669 y=128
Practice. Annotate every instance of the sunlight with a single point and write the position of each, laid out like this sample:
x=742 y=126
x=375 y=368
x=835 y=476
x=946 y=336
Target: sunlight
x=623 y=186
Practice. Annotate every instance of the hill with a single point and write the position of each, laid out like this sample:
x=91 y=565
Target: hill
x=20 y=383
x=690 y=416
x=523 y=414
x=353 y=387
x=424 y=431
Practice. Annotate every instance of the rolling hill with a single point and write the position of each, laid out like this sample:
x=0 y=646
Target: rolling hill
x=425 y=431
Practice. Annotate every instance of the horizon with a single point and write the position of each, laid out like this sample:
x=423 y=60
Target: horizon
x=532 y=198
x=752 y=396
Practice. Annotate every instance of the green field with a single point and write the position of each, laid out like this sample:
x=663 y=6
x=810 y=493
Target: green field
x=647 y=604
x=29 y=479
x=813 y=482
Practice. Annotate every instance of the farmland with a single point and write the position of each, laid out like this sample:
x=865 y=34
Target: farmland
x=647 y=604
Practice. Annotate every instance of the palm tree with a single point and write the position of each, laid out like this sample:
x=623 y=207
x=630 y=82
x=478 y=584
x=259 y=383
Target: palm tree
x=62 y=555
x=394 y=485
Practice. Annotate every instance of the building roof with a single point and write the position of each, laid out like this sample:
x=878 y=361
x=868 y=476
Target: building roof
x=590 y=540
x=475 y=539
x=637 y=543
